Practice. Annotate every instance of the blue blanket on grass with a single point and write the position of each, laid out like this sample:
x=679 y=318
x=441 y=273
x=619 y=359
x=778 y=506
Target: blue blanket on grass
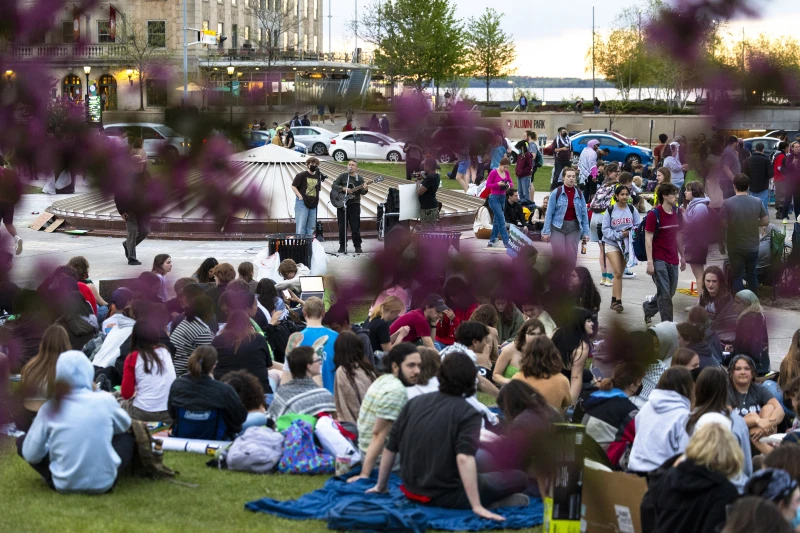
x=340 y=502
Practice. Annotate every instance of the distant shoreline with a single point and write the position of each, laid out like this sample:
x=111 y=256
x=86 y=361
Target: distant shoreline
x=542 y=82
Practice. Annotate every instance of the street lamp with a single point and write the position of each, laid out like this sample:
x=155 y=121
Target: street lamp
x=86 y=71
x=9 y=73
x=231 y=70
x=593 y=97
x=129 y=72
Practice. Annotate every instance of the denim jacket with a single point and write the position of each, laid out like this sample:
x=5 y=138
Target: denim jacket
x=557 y=209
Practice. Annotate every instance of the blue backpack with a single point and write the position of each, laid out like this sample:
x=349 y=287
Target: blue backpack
x=639 y=244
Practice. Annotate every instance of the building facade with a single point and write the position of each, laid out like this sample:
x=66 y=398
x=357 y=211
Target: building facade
x=95 y=41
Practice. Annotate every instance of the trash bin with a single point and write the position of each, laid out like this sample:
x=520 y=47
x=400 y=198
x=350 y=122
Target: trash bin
x=291 y=246
x=442 y=238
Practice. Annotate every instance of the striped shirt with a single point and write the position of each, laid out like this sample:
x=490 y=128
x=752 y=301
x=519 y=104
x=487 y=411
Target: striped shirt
x=303 y=397
x=187 y=336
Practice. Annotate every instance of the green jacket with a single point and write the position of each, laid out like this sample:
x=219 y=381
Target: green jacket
x=508 y=332
x=341 y=182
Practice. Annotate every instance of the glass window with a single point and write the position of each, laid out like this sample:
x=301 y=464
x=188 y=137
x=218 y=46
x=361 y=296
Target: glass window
x=166 y=131
x=349 y=138
x=157 y=33
x=149 y=134
x=221 y=28
x=233 y=2
x=67 y=33
x=156 y=92
x=608 y=141
x=369 y=139
x=103 y=32
x=247 y=33
x=134 y=132
x=114 y=131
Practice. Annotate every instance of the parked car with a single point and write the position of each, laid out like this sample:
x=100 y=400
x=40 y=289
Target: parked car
x=621 y=137
x=365 y=145
x=319 y=139
x=618 y=150
x=770 y=144
x=790 y=134
x=256 y=138
x=447 y=141
x=158 y=138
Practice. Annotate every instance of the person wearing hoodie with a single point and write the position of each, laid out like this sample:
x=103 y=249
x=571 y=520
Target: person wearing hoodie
x=76 y=318
x=665 y=337
x=691 y=337
x=510 y=319
x=718 y=303
x=609 y=414
x=696 y=223
x=691 y=492
x=759 y=169
x=109 y=350
x=661 y=423
x=79 y=440
x=698 y=316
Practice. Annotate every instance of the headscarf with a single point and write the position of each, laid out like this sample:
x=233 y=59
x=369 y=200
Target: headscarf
x=754 y=305
x=587 y=161
x=593 y=143
x=780 y=484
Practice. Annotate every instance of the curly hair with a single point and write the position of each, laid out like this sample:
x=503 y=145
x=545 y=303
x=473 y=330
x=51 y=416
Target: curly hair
x=485 y=314
x=247 y=387
x=541 y=359
x=81 y=266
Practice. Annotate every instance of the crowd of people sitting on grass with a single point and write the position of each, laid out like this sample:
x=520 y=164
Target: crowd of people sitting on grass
x=688 y=405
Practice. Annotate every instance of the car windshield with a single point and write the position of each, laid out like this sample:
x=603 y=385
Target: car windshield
x=166 y=132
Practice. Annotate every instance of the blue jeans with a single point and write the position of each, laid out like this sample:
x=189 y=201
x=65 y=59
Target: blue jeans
x=305 y=219
x=764 y=197
x=776 y=391
x=743 y=269
x=524 y=189
x=497 y=203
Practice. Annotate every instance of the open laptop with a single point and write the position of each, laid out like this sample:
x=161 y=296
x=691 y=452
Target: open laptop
x=311 y=286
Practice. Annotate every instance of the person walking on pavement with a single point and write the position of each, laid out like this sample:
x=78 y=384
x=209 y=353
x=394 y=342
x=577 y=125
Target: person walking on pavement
x=743 y=215
x=759 y=169
x=562 y=152
x=384 y=122
x=566 y=222
x=664 y=245
x=351 y=212
x=306 y=187
x=133 y=210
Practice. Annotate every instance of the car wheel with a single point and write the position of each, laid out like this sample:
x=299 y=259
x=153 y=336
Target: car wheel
x=339 y=156
x=633 y=159
x=319 y=149
x=445 y=157
x=171 y=154
x=393 y=156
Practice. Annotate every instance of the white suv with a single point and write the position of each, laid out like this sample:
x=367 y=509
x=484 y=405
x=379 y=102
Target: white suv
x=156 y=137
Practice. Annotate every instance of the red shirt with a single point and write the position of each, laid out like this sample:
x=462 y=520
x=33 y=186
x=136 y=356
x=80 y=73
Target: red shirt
x=416 y=321
x=665 y=240
x=570 y=214
x=88 y=295
x=446 y=330
x=776 y=167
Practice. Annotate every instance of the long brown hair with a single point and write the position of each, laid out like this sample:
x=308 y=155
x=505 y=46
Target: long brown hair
x=528 y=325
x=40 y=372
x=625 y=374
x=238 y=329
x=790 y=366
x=710 y=395
x=145 y=341
x=202 y=361
x=541 y=359
x=705 y=297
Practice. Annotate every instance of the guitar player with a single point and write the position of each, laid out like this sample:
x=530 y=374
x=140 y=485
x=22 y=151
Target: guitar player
x=346 y=182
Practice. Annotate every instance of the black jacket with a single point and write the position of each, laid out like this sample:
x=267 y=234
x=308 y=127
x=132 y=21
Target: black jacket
x=205 y=394
x=759 y=169
x=252 y=355
x=514 y=214
x=686 y=499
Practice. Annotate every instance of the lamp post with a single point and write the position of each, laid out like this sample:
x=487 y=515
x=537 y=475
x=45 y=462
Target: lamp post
x=231 y=70
x=129 y=72
x=86 y=70
x=593 y=53
x=9 y=73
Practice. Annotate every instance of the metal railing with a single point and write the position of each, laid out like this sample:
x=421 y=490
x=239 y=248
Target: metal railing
x=51 y=51
x=290 y=54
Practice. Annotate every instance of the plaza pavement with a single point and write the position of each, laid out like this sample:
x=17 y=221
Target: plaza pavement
x=107 y=261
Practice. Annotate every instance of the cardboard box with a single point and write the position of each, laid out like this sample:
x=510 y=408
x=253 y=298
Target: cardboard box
x=611 y=502
x=562 y=503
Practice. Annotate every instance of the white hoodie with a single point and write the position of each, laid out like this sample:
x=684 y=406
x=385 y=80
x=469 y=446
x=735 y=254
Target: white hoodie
x=109 y=351
x=660 y=430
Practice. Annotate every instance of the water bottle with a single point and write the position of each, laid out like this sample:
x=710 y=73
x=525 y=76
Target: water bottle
x=583 y=248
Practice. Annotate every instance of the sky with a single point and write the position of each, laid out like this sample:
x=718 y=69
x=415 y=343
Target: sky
x=552 y=37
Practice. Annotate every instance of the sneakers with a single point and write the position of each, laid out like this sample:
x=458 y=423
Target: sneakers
x=490 y=244
x=648 y=321
x=17 y=245
x=785 y=220
x=134 y=262
x=359 y=251
x=628 y=274
x=607 y=281
x=341 y=251
x=515 y=500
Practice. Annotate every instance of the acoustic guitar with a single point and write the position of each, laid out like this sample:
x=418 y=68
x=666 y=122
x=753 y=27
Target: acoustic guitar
x=339 y=198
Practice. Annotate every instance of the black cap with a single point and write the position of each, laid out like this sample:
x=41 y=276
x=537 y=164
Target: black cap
x=434 y=300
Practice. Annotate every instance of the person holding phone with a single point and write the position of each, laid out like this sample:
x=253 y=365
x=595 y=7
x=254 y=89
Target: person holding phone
x=498 y=182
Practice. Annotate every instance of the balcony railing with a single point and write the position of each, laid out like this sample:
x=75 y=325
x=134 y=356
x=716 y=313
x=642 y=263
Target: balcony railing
x=66 y=51
x=259 y=54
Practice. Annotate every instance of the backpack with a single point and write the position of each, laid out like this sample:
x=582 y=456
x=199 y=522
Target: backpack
x=301 y=455
x=602 y=199
x=560 y=189
x=145 y=463
x=639 y=245
x=257 y=450
x=539 y=159
x=524 y=165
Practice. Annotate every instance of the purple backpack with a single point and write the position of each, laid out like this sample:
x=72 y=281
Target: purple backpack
x=301 y=455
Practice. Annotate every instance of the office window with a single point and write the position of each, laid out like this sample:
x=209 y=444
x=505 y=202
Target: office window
x=316 y=6
x=204 y=26
x=316 y=49
x=305 y=42
x=156 y=92
x=235 y=36
x=157 y=33
x=233 y=2
x=221 y=28
x=103 y=29
x=67 y=33
x=247 y=33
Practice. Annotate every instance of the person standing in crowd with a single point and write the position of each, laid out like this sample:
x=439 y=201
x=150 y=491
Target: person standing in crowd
x=306 y=187
x=524 y=168
x=277 y=139
x=752 y=338
x=351 y=212
x=742 y=215
x=384 y=122
x=781 y=196
x=498 y=182
x=533 y=149
x=587 y=163
x=133 y=209
x=791 y=173
x=596 y=105
x=523 y=103
x=437 y=436
x=601 y=201
x=697 y=220
x=619 y=221
x=562 y=152
x=426 y=192
x=10 y=194
x=658 y=150
x=374 y=123
x=497 y=152
x=661 y=423
x=676 y=168
x=305 y=121
x=759 y=169
x=690 y=493
x=730 y=167
x=413 y=153
x=567 y=220
x=383 y=403
x=664 y=244
x=79 y=441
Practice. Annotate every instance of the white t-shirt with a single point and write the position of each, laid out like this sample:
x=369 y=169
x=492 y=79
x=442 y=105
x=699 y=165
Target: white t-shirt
x=152 y=390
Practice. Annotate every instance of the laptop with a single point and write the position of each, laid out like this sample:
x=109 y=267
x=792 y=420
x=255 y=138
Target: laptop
x=311 y=286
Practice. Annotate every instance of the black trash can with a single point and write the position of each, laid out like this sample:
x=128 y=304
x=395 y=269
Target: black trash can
x=291 y=246
x=442 y=238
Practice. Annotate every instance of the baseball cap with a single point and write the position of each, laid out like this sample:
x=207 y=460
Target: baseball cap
x=434 y=300
x=120 y=297
x=383 y=115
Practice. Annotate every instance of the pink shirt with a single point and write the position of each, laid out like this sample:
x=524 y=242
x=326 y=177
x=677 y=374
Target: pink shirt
x=494 y=179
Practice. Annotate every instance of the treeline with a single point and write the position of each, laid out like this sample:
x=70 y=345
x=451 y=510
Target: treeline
x=543 y=83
